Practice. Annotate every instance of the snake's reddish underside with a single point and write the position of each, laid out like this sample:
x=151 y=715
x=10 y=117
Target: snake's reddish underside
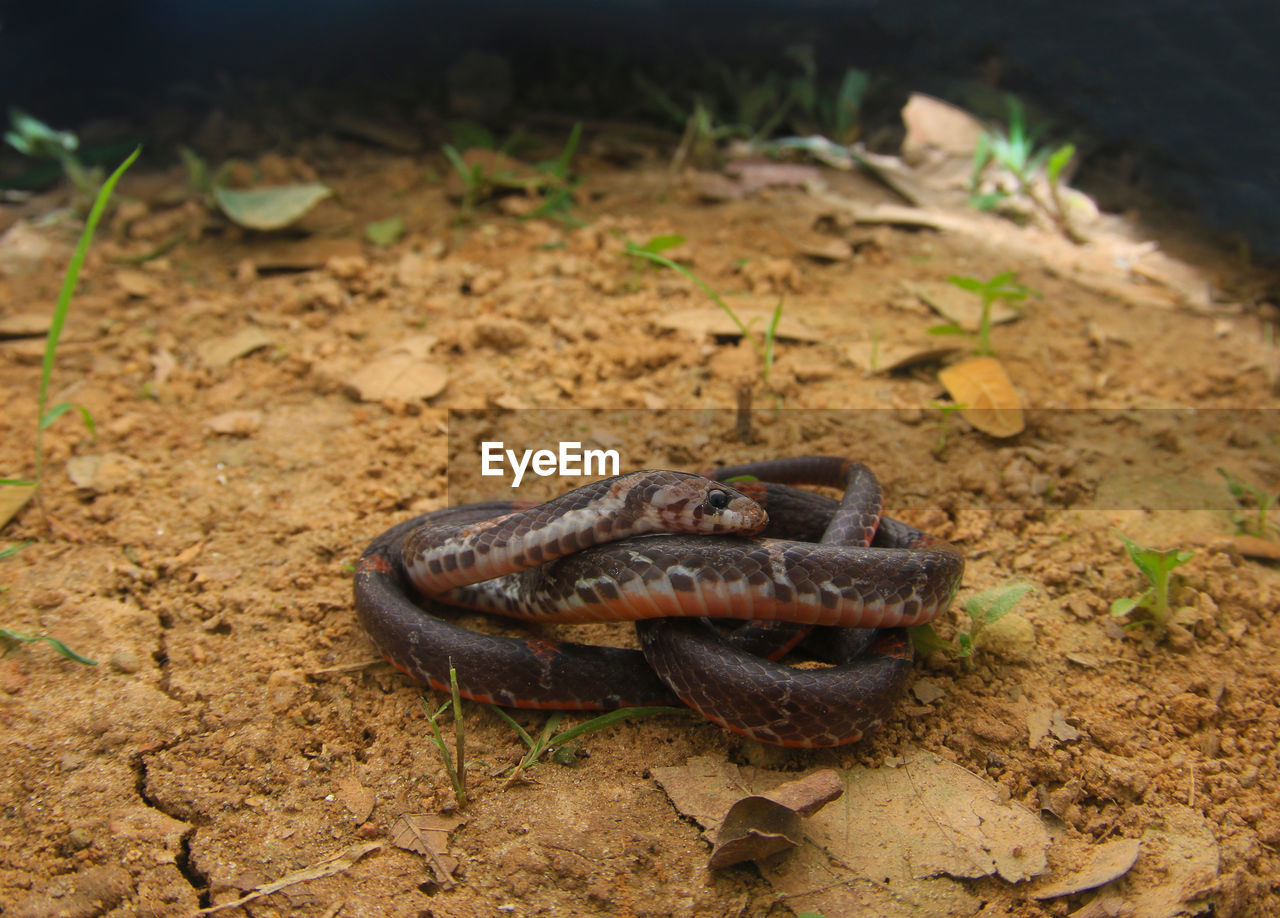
x=592 y=554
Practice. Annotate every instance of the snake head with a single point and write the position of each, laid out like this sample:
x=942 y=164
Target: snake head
x=691 y=503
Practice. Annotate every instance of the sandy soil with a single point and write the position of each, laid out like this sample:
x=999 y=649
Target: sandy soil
x=239 y=727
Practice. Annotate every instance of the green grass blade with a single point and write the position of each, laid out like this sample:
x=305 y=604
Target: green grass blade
x=523 y=733
x=69 y=282
x=608 y=720
x=56 y=644
x=14 y=549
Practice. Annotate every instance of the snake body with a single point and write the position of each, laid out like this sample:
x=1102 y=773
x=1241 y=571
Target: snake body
x=592 y=554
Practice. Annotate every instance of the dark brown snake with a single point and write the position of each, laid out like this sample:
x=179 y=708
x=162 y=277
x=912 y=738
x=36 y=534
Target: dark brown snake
x=594 y=554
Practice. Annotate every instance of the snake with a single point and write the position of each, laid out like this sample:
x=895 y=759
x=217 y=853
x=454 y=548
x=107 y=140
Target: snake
x=681 y=555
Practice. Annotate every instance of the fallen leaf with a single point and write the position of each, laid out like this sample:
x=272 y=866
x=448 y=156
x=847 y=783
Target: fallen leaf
x=1254 y=547
x=221 y=352
x=337 y=862
x=270 y=208
x=1039 y=722
x=927 y=692
x=760 y=825
x=1061 y=730
x=429 y=836
x=1105 y=863
x=12 y=499
x=891 y=357
x=933 y=123
x=960 y=306
x=137 y=283
x=898 y=843
x=990 y=402
x=25 y=325
x=103 y=473
x=716 y=322
x=402 y=374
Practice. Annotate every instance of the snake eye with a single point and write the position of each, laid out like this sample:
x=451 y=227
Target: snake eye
x=717 y=500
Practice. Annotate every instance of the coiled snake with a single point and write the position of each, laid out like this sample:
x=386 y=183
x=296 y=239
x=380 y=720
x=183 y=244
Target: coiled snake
x=595 y=553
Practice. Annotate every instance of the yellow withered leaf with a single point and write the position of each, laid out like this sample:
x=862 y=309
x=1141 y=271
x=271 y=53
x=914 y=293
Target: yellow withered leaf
x=990 y=402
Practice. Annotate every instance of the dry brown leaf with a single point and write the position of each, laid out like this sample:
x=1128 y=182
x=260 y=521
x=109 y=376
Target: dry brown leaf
x=715 y=322
x=990 y=402
x=25 y=325
x=428 y=835
x=220 y=352
x=892 y=846
x=933 y=123
x=1254 y=547
x=889 y=357
x=1105 y=863
x=137 y=283
x=334 y=863
x=397 y=377
x=12 y=499
x=761 y=825
x=104 y=473
x=961 y=306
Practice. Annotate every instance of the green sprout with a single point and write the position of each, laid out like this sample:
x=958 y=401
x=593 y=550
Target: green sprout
x=1246 y=495
x=1158 y=567
x=765 y=349
x=457 y=773
x=1016 y=152
x=549 y=739
x=45 y=415
x=11 y=639
x=945 y=410
x=1001 y=287
x=984 y=609
x=481 y=180
x=32 y=137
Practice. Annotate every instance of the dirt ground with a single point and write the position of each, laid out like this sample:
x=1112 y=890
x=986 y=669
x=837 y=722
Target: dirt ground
x=239 y=727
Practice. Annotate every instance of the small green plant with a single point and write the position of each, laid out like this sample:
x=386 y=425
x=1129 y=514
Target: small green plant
x=1158 y=567
x=652 y=251
x=1250 y=495
x=457 y=773
x=32 y=137
x=483 y=177
x=1015 y=151
x=548 y=738
x=11 y=639
x=1001 y=287
x=945 y=411
x=45 y=415
x=984 y=609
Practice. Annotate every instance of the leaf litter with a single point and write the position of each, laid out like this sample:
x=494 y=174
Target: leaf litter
x=899 y=843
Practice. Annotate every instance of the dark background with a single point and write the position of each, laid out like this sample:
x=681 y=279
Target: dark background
x=1186 y=96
